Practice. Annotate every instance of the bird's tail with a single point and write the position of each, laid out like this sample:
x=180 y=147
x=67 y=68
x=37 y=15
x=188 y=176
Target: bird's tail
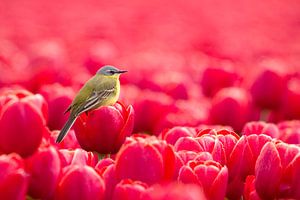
x=65 y=129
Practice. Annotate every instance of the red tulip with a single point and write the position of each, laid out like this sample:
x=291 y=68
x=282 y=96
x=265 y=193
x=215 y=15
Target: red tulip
x=261 y=128
x=249 y=191
x=268 y=89
x=69 y=142
x=77 y=157
x=242 y=162
x=105 y=129
x=291 y=99
x=80 y=182
x=58 y=99
x=174 y=190
x=277 y=171
x=290 y=131
x=25 y=134
x=214 y=79
x=209 y=174
x=13 y=178
x=128 y=189
x=44 y=169
x=173 y=134
x=230 y=106
x=145 y=159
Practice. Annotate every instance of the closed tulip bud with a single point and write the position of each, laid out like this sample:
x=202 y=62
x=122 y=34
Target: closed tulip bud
x=43 y=181
x=261 y=128
x=58 y=99
x=209 y=174
x=214 y=79
x=80 y=182
x=13 y=178
x=230 y=106
x=25 y=134
x=173 y=134
x=277 y=171
x=268 y=89
x=145 y=159
x=105 y=129
x=128 y=189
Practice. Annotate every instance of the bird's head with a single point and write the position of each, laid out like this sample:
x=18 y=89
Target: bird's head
x=109 y=70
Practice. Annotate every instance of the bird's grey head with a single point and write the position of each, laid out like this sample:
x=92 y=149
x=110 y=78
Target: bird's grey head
x=109 y=70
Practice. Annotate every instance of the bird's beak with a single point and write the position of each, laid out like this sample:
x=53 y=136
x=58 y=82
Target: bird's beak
x=121 y=71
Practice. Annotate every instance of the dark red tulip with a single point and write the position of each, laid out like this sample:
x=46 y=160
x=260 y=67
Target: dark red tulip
x=25 y=134
x=128 y=189
x=80 y=182
x=13 y=178
x=145 y=159
x=105 y=129
x=214 y=79
x=209 y=174
x=43 y=181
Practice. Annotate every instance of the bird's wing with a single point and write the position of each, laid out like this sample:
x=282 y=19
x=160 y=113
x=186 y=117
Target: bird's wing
x=95 y=98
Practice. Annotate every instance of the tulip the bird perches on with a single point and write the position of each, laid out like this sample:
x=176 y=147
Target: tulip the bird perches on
x=103 y=89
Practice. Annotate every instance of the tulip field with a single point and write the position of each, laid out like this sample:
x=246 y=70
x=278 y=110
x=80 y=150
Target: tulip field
x=208 y=110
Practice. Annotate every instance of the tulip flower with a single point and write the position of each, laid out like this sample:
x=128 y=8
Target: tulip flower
x=25 y=134
x=105 y=129
x=214 y=79
x=145 y=159
x=80 y=182
x=291 y=98
x=242 y=161
x=128 y=189
x=174 y=190
x=209 y=174
x=58 y=99
x=42 y=182
x=290 y=131
x=173 y=134
x=77 y=157
x=13 y=178
x=230 y=106
x=261 y=128
x=268 y=89
x=277 y=171
x=249 y=191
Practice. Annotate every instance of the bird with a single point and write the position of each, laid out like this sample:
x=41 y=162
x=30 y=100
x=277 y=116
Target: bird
x=103 y=89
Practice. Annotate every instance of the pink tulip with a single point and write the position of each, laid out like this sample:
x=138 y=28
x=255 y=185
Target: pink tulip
x=268 y=89
x=128 y=189
x=277 y=171
x=43 y=181
x=105 y=129
x=145 y=159
x=261 y=128
x=230 y=106
x=214 y=79
x=173 y=134
x=209 y=174
x=175 y=190
x=28 y=114
x=242 y=162
x=13 y=178
x=80 y=182
x=58 y=99
x=290 y=131
x=77 y=157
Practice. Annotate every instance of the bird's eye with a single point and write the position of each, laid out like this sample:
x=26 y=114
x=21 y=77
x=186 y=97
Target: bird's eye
x=111 y=72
